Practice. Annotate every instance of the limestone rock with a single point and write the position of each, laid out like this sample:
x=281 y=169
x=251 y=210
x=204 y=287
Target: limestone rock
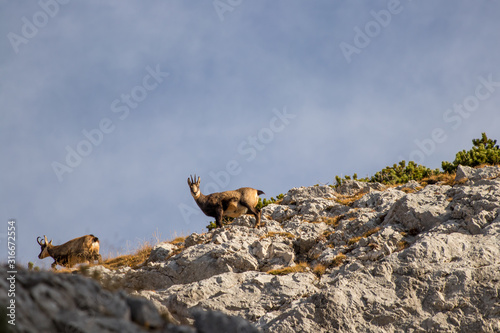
x=467 y=173
x=352 y=187
x=403 y=259
x=380 y=201
x=422 y=210
x=161 y=252
x=297 y=195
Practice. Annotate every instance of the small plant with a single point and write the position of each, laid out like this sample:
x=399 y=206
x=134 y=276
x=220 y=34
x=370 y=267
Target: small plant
x=484 y=151
x=299 y=268
x=334 y=221
x=409 y=190
x=225 y=221
x=353 y=240
x=340 y=181
x=348 y=200
x=264 y=202
x=177 y=240
x=319 y=269
x=371 y=232
x=211 y=226
x=338 y=260
x=443 y=178
x=401 y=245
x=401 y=173
x=273 y=234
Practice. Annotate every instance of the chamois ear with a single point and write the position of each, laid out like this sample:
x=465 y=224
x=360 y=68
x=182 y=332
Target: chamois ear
x=198 y=181
x=189 y=182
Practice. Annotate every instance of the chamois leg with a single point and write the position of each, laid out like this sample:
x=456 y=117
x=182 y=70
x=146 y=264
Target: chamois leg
x=255 y=212
x=219 y=213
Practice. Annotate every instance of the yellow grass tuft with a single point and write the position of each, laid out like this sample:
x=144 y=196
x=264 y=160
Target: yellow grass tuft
x=130 y=260
x=371 y=232
x=177 y=240
x=409 y=190
x=348 y=200
x=401 y=245
x=273 y=234
x=319 y=270
x=443 y=178
x=353 y=240
x=338 y=260
x=299 y=268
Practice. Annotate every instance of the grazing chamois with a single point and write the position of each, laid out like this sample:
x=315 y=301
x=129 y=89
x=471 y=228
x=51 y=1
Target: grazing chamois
x=229 y=203
x=78 y=250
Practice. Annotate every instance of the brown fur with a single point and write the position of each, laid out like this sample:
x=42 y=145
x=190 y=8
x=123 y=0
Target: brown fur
x=229 y=203
x=78 y=250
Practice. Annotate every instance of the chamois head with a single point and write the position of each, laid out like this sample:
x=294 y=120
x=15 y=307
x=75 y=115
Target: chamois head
x=44 y=245
x=194 y=185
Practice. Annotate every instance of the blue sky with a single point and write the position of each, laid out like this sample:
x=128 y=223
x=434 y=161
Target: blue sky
x=107 y=109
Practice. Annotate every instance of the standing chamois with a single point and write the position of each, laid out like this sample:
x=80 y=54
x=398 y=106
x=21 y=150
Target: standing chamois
x=75 y=251
x=229 y=203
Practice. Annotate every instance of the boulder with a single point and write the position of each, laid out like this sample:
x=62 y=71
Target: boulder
x=421 y=211
x=161 y=252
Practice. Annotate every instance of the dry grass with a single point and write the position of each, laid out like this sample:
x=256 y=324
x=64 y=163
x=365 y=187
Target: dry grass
x=368 y=233
x=371 y=232
x=333 y=221
x=319 y=269
x=338 y=260
x=409 y=190
x=138 y=256
x=348 y=200
x=273 y=234
x=443 y=178
x=353 y=240
x=130 y=260
x=401 y=245
x=299 y=268
x=177 y=240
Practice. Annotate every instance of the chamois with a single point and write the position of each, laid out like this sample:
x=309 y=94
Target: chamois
x=77 y=250
x=229 y=203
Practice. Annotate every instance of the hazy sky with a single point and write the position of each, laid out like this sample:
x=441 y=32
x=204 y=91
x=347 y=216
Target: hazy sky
x=106 y=109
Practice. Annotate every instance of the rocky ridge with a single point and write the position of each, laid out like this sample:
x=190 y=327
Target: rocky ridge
x=362 y=257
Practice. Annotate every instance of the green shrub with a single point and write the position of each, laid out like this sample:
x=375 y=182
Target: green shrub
x=484 y=151
x=401 y=173
x=263 y=203
x=211 y=226
x=339 y=181
x=225 y=220
x=397 y=174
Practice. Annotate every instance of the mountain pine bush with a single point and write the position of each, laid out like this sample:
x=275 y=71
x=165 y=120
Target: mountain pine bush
x=399 y=173
x=484 y=151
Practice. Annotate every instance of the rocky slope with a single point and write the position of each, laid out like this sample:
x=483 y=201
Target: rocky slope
x=359 y=258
